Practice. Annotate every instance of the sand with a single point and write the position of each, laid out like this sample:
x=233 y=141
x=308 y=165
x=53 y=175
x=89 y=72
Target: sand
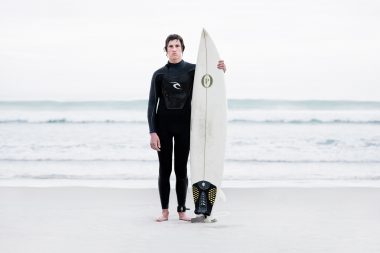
x=75 y=219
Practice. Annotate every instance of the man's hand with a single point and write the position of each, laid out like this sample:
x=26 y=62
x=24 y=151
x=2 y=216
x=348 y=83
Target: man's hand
x=155 y=142
x=221 y=65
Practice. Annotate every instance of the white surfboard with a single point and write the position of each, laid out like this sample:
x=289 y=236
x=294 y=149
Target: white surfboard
x=208 y=127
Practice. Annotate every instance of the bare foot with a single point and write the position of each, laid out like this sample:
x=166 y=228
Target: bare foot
x=183 y=216
x=164 y=216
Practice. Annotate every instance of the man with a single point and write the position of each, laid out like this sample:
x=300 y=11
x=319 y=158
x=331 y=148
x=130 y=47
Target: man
x=169 y=111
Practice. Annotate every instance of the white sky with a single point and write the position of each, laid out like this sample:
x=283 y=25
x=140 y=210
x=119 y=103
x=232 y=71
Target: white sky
x=276 y=49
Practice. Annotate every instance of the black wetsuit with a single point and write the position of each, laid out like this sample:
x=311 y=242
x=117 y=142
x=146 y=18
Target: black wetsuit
x=171 y=90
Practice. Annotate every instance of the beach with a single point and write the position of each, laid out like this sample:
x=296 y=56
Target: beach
x=92 y=219
x=299 y=176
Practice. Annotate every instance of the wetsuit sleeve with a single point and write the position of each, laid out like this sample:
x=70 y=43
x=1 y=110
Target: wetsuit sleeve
x=152 y=104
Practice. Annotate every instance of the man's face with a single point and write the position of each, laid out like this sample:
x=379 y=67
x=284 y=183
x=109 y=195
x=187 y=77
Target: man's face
x=174 y=51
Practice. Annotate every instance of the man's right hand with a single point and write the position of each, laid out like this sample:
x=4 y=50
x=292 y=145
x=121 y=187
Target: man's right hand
x=155 y=142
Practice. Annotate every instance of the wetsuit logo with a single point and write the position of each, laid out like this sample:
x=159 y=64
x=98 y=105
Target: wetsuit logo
x=176 y=85
x=207 y=81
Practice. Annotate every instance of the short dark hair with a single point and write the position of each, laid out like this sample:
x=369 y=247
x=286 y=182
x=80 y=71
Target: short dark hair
x=174 y=37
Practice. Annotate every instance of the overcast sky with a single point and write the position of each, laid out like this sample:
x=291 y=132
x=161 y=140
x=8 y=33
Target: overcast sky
x=275 y=49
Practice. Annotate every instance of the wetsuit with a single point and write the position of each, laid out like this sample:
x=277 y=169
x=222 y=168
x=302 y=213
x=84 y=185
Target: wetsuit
x=169 y=111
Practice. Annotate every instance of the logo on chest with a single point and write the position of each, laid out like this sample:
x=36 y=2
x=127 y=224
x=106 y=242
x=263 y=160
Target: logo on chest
x=176 y=85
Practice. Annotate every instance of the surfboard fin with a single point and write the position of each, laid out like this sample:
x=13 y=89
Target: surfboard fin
x=203 y=219
x=204 y=194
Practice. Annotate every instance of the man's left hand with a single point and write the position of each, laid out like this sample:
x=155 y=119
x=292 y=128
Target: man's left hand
x=222 y=66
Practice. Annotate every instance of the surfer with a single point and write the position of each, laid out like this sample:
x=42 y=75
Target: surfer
x=169 y=111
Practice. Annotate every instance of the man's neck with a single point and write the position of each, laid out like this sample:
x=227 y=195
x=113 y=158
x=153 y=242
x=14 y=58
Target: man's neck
x=175 y=61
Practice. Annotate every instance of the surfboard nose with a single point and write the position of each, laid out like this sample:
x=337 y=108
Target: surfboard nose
x=204 y=32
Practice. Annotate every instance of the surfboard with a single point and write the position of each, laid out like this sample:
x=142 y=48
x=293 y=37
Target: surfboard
x=208 y=127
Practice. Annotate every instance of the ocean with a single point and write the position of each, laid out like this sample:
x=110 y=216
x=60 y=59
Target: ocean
x=269 y=143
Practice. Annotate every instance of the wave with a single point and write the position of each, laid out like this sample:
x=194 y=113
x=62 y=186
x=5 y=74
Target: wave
x=67 y=121
x=308 y=121
x=231 y=121
x=228 y=160
x=76 y=160
x=242 y=177
x=299 y=161
x=266 y=104
x=141 y=104
x=57 y=105
x=81 y=177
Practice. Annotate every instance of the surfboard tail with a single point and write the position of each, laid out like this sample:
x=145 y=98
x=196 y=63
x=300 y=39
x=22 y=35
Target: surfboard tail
x=204 y=194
